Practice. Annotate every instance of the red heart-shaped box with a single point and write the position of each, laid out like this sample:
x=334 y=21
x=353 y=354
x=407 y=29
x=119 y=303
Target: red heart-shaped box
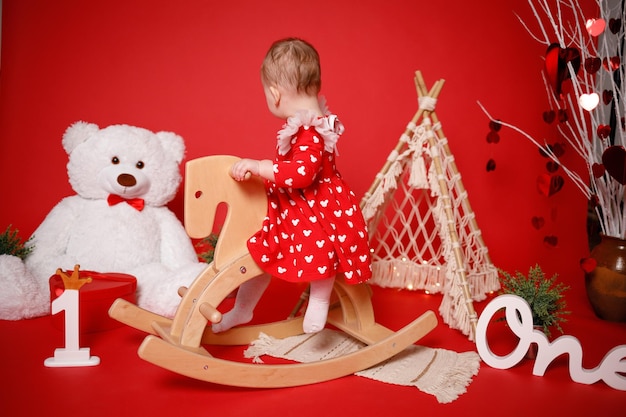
x=95 y=299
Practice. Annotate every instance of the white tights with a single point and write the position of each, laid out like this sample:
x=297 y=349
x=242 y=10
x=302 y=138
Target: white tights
x=250 y=293
x=317 y=309
x=248 y=296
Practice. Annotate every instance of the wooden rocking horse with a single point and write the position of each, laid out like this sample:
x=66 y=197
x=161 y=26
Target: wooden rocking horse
x=177 y=344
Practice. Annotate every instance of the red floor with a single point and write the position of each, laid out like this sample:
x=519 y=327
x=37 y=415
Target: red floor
x=125 y=385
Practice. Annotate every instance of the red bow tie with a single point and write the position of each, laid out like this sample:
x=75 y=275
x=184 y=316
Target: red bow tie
x=136 y=203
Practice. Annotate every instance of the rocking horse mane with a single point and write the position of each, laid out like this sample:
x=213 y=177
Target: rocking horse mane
x=207 y=185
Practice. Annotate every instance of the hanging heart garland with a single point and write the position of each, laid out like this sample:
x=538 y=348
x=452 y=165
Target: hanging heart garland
x=550 y=183
x=557 y=149
x=493 y=137
x=550 y=115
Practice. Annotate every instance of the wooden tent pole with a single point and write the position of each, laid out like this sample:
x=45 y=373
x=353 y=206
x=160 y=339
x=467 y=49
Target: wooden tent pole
x=434 y=93
x=454 y=236
x=421 y=88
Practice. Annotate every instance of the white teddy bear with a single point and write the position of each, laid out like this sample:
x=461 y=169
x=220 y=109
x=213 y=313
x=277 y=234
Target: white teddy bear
x=118 y=221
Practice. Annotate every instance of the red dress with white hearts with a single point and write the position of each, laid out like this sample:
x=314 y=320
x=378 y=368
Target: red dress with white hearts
x=314 y=228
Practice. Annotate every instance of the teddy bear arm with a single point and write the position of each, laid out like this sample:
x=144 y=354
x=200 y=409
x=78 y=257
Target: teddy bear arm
x=50 y=239
x=176 y=247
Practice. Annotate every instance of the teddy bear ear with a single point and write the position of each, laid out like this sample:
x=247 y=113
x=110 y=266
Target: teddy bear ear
x=173 y=144
x=77 y=134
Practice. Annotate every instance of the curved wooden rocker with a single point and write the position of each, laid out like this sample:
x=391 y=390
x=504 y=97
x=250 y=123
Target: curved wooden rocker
x=177 y=344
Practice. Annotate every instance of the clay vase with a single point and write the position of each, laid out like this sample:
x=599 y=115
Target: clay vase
x=606 y=284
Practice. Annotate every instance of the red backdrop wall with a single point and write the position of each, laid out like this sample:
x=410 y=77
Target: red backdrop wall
x=192 y=67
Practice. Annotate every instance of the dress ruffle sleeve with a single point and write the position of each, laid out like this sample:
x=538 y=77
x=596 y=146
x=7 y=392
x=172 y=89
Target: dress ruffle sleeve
x=328 y=127
x=304 y=165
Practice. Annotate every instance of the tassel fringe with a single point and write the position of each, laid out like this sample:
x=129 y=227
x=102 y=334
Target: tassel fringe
x=442 y=373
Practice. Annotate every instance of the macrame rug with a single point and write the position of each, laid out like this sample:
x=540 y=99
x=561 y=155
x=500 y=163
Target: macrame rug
x=439 y=372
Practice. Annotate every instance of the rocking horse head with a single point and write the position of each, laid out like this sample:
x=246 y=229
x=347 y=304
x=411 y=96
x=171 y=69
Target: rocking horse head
x=207 y=185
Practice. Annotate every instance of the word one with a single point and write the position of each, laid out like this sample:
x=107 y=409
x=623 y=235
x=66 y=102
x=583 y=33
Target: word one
x=612 y=369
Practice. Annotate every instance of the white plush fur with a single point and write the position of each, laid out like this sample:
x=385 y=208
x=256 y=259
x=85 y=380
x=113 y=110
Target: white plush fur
x=83 y=229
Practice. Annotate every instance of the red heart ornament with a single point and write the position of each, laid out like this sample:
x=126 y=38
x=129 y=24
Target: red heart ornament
x=588 y=264
x=614 y=160
x=603 y=131
x=595 y=27
x=615 y=25
x=548 y=116
x=556 y=66
x=611 y=64
x=607 y=96
x=537 y=222
x=491 y=165
x=493 y=137
x=551 y=241
x=556 y=148
x=552 y=166
x=589 y=101
x=598 y=170
x=495 y=125
x=593 y=64
x=549 y=184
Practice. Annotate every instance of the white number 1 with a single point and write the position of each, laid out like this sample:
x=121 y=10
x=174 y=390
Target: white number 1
x=72 y=354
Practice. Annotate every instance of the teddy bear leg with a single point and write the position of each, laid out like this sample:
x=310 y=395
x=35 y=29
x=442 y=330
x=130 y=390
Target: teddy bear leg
x=21 y=296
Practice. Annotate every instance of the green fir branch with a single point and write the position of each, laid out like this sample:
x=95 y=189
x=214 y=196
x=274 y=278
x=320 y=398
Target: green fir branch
x=11 y=244
x=207 y=247
x=544 y=296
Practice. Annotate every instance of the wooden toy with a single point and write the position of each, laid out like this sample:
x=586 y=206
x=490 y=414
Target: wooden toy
x=72 y=354
x=178 y=344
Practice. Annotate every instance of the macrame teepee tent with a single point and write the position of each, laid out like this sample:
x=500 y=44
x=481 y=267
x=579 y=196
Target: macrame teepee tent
x=423 y=232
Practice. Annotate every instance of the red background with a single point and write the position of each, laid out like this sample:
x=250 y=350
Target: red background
x=192 y=67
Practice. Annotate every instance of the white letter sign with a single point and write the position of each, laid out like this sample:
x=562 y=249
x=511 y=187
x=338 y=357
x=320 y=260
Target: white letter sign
x=68 y=301
x=519 y=318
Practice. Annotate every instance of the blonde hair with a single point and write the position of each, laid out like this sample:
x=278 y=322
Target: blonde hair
x=293 y=63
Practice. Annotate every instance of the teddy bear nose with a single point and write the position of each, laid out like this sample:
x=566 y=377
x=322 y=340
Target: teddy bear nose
x=126 y=180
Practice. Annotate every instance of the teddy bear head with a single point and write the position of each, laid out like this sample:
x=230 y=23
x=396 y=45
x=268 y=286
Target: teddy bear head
x=123 y=160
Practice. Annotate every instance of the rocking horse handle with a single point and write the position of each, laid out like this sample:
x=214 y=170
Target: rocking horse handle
x=208 y=184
